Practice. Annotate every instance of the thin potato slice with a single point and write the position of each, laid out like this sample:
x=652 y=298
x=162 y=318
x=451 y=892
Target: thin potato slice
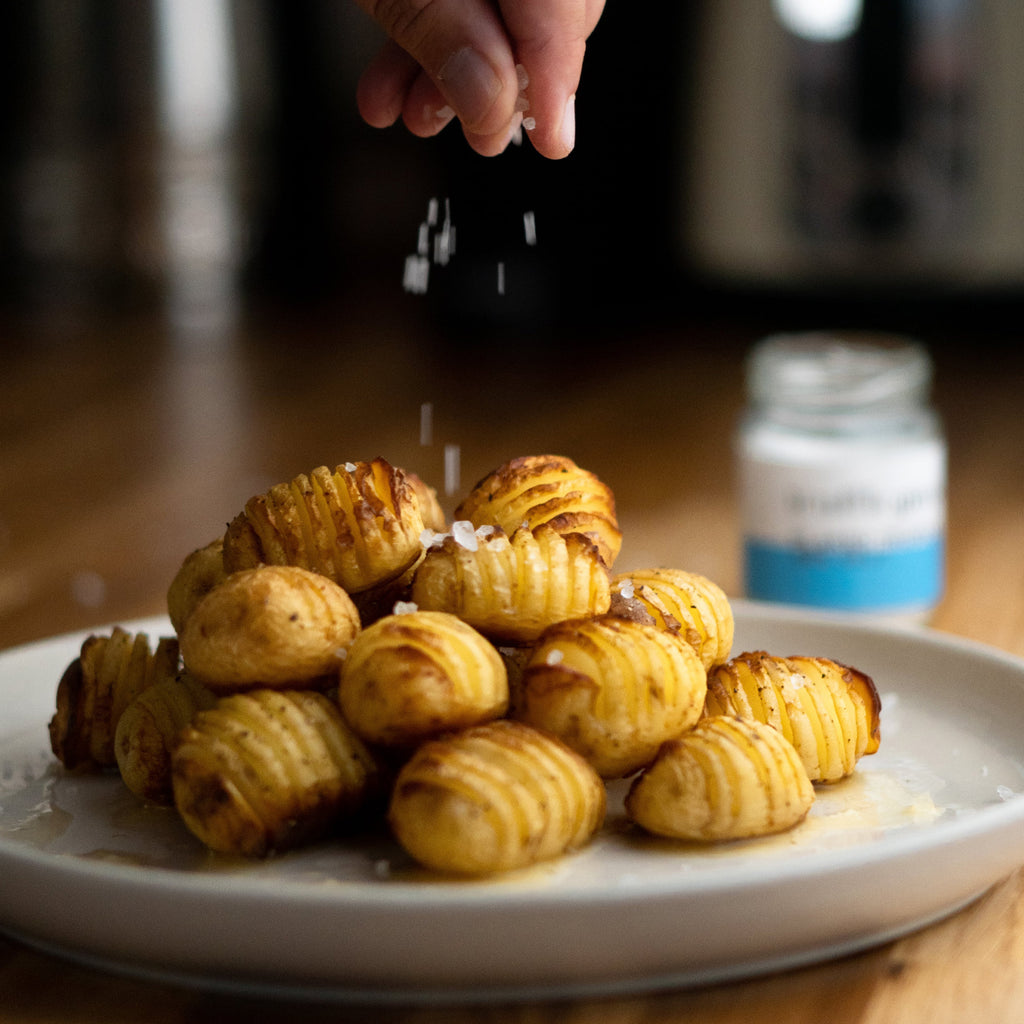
x=512 y=588
x=684 y=602
x=411 y=676
x=613 y=690
x=727 y=778
x=269 y=770
x=828 y=711
x=535 y=490
x=493 y=798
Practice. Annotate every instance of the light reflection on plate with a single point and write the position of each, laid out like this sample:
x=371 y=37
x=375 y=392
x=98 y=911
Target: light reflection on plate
x=932 y=820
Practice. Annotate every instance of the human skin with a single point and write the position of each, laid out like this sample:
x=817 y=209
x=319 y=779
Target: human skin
x=457 y=59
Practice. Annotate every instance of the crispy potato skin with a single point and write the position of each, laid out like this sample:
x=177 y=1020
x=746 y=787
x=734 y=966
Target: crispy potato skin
x=272 y=626
x=109 y=673
x=686 y=603
x=727 y=778
x=512 y=588
x=269 y=770
x=409 y=677
x=148 y=731
x=546 y=489
x=494 y=798
x=358 y=524
x=612 y=689
x=828 y=711
x=201 y=571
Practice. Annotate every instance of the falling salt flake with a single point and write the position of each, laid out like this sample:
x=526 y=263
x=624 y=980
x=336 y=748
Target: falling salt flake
x=1005 y=793
x=441 y=250
x=382 y=868
x=405 y=608
x=426 y=423
x=417 y=274
x=517 y=134
x=529 y=123
x=530 y=227
x=432 y=208
x=522 y=77
x=88 y=589
x=522 y=103
x=464 y=534
x=554 y=657
x=501 y=278
x=423 y=240
x=452 y=468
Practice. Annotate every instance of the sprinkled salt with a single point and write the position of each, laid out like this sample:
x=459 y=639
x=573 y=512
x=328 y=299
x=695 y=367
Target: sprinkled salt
x=628 y=590
x=485 y=531
x=405 y=608
x=1005 y=793
x=417 y=274
x=464 y=534
x=423 y=240
x=530 y=227
x=529 y=123
x=522 y=77
x=431 y=538
x=432 y=208
x=501 y=278
x=554 y=657
x=88 y=589
x=382 y=868
x=350 y=467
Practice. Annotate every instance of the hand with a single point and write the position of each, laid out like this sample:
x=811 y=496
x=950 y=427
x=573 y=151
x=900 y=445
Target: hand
x=449 y=59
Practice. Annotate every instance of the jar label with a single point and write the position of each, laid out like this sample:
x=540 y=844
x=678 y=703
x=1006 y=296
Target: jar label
x=863 y=533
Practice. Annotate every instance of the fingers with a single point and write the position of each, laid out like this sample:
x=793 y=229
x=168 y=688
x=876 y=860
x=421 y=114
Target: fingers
x=461 y=47
x=458 y=58
x=550 y=39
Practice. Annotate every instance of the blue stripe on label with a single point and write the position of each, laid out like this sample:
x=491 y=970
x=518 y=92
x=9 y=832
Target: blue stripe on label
x=904 y=577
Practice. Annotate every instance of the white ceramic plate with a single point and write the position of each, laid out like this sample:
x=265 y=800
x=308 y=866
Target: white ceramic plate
x=926 y=825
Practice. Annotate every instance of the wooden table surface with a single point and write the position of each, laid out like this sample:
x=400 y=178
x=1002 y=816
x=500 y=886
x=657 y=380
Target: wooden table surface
x=125 y=445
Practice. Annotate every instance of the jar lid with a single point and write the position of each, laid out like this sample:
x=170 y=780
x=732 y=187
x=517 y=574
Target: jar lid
x=824 y=369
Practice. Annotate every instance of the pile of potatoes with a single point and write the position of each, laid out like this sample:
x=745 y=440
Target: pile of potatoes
x=342 y=654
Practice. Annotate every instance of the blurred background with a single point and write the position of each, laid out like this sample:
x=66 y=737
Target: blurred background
x=205 y=158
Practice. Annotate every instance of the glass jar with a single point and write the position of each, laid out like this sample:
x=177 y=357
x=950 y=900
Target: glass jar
x=842 y=475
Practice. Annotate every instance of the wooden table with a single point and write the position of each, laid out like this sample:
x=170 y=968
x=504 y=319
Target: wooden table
x=125 y=445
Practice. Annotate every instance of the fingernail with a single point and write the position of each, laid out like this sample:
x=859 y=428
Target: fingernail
x=470 y=83
x=569 y=123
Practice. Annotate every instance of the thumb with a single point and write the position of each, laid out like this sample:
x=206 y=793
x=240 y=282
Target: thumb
x=463 y=48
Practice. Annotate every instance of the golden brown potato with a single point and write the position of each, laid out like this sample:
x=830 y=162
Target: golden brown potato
x=269 y=770
x=275 y=626
x=358 y=524
x=494 y=797
x=685 y=602
x=546 y=489
x=108 y=674
x=430 y=507
x=411 y=676
x=148 y=731
x=512 y=588
x=727 y=778
x=201 y=571
x=612 y=690
x=828 y=711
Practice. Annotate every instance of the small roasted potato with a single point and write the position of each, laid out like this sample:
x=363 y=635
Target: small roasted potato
x=358 y=524
x=494 y=797
x=410 y=676
x=148 y=731
x=200 y=572
x=430 y=507
x=275 y=626
x=108 y=674
x=727 y=778
x=828 y=711
x=268 y=770
x=612 y=689
x=512 y=588
x=685 y=602
x=546 y=489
